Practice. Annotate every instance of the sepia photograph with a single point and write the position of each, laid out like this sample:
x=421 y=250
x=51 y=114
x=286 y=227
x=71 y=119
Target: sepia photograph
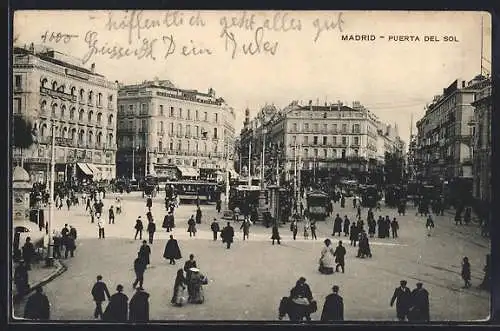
x=283 y=166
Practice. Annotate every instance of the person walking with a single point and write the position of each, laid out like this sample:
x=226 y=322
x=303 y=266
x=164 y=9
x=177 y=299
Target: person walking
x=139 y=306
x=218 y=206
x=333 y=309
x=227 y=235
x=166 y=222
x=429 y=224
x=28 y=253
x=245 y=225
x=466 y=272
x=172 y=251
x=198 y=215
x=313 y=230
x=139 y=269
x=99 y=294
x=394 y=228
x=145 y=252
x=339 y=254
x=191 y=263
x=117 y=309
x=215 y=228
x=276 y=234
x=151 y=230
x=70 y=245
x=337 y=225
x=294 y=228
x=419 y=310
x=402 y=296
x=301 y=294
x=192 y=226
x=326 y=260
x=149 y=203
x=138 y=228
x=307 y=226
x=57 y=240
x=100 y=226
x=37 y=306
x=354 y=234
x=111 y=215
x=346 y=226
x=180 y=283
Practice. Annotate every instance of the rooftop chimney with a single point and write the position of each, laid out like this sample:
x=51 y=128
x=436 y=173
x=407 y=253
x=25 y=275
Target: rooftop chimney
x=310 y=104
x=92 y=67
x=463 y=83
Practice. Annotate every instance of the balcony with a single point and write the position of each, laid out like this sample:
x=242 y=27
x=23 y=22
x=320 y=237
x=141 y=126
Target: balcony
x=57 y=94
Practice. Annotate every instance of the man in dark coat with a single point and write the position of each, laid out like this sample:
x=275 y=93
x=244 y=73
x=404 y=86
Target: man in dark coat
x=166 y=222
x=346 y=226
x=339 y=254
x=139 y=306
x=419 y=310
x=139 y=269
x=191 y=263
x=38 y=306
x=28 y=253
x=70 y=245
x=111 y=215
x=149 y=203
x=403 y=296
x=99 y=294
x=294 y=228
x=145 y=252
x=337 y=225
x=138 y=228
x=218 y=206
x=21 y=279
x=192 y=226
x=215 y=228
x=117 y=309
x=245 y=225
x=72 y=232
x=394 y=228
x=198 y=215
x=172 y=251
x=227 y=235
x=276 y=234
x=342 y=202
x=333 y=309
x=151 y=230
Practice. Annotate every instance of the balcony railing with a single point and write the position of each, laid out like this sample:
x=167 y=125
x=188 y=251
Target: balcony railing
x=57 y=94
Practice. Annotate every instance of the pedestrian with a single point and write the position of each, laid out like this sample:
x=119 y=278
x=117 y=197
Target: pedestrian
x=419 y=310
x=139 y=269
x=179 y=298
x=301 y=294
x=198 y=215
x=358 y=214
x=37 y=306
x=99 y=294
x=111 y=215
x=354 y=202
x=372 y=224
x=166 y=223
x=364 y=246
x=218 y=206
x=402 y=296
x=70 y=245
x=337 y=225
x=21 y=279
x=227 y=235
x=276 y=234
x=117 y=309
x=353 y=236
x=466 y=272
x=92 y=215
x=387 y=226
x=192 y=226
x=72 y=232
x=394 y=228
x=151 y=230
x=326 y=260
x=342 y=202
x=485 y=284
x=28 y=253
x=149 y=203
x=196 y=281
x=138 y=228
x=100 y=226
x=380 y=227
x=306 y=229
x=339 y=254
x=294 y=228
x=139 y=306
x=429 y=224
x=191 y=263
x=346 y=226
x=313 y=230
x=333 y=309
x=118 y=206
x=245 y=225
x=467 y=215
x=172 y=251
x=145 y=252
x=215 y=228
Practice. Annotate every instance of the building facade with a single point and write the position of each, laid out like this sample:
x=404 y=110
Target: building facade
x=163 y=130
x=444 y=139
x=482 y=144
x=317 y=138
x=56 y=93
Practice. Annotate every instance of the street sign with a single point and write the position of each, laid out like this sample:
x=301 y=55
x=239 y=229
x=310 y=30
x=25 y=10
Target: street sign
x=64 y=141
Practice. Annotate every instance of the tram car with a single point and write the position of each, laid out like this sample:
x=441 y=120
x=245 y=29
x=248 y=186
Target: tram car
x=369 y=196
x=317 y=202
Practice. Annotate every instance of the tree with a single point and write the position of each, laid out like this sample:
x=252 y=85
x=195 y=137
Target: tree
x=22 y=134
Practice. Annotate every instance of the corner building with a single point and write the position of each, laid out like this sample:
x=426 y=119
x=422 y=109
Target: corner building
x=172 y=132
x=51 y=88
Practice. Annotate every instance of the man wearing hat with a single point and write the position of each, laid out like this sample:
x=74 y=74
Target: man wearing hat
x=402 y=295
x=139 y=269
x=117 y=309
x=139 y=306
x=38 y=306
x=138 y=228
x=419 y=310
x=99 y=294
x=333 y=309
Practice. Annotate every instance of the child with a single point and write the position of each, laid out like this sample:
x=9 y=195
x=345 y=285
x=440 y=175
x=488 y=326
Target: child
x=466 y=272
x=306 y=230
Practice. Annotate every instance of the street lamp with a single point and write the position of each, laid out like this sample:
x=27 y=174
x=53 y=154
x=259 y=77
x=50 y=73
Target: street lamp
x=262 y=168
x=49 y=261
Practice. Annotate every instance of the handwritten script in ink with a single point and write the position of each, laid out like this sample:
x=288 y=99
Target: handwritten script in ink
x=146 y=35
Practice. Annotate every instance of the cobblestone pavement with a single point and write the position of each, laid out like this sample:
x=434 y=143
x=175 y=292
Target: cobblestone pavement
x=248 y=281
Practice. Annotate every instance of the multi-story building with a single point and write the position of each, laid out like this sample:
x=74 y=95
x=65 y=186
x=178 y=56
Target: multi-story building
x=444 y=139
x=172 y=132
x=482 y=145
x=55 y=92
x=320 y=138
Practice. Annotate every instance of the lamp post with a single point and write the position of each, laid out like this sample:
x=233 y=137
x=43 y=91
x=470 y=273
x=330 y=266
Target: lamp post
x=263 y=161
x=249 y=163
x=226 y=195
x=49 y=261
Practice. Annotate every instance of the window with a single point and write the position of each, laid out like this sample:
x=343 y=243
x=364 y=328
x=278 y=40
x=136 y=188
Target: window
x=306 y=127
x=144 y=125
x=17 y=106
x=306 y=152
x=356 y=141
x=72 y=113
x=131 y=109
x=325 y=128
x=315 y=140
x=197 y=131
x=306 y=140
x=356 y=128
x=344 y=128
x=343 y=153
x=110 y=98
x=325 y=153
x=63 y=111
x=180 y=112
x=171 y=128
x=188 y=146
x=216 y=118
x=188 y=131
x=294 y=140
x=161 y=126
x=334 y=140
x=110 y=119
x=91 y=97
x=54 y=86
x=315 y=152
x=356 y=152
x=189 y=114
x=99 y=118
x=172 y=114
x=130 y=125
x=179 y=145
x=171 y=146
x=294 y=127
x=316 y=127
x=196 y=115
x=54 y=107
x=205 y=116
x=99 y=99
x=43 y=105
x=160 y=146
x=161 y=110
x=179 y=129
x=196 y=146
x=344 y=141
x=82 y=93
x=334 y=153
x=215 y=133
x=89 y=116
x=18 y=81
x=325 y=140
x=334 y=128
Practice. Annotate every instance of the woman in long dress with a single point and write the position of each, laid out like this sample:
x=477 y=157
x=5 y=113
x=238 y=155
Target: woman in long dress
x=326 y=261
x=179 y=297
x=197 y=281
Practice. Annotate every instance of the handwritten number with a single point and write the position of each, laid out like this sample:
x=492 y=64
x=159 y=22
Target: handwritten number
x=48 y=37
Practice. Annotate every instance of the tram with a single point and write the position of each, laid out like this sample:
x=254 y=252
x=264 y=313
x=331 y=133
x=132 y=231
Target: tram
x=317 y=202
x=191 y=191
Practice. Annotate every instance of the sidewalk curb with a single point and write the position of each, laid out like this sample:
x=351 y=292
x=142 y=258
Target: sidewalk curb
x=59 y=271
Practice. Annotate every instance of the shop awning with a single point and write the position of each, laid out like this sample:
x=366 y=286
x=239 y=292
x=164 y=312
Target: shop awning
x=188 y=172
x=86 y=170
x=93 y=168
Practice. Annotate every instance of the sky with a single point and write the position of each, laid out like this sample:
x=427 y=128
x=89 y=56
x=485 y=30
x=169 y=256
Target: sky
x=255 y=58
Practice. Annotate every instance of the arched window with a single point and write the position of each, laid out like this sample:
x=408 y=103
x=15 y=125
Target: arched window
x=80 y=136
x=64 y=132
x=63 y=111
x=110 y=119
x=43 y=106
x=90 y=137
x=62 y=88
x=110 y=140
x=99 y=138
x=82 y=94
x=204 y=147
x=43 y=130
x=160 y=146
x=44 y=82
x=54 y=107
x=343 y=153
x=179 y=129
x=73 y=134
x=54 y=85
x=81 y=114
x=91 y=113
x=306 y=152
x=72 y=113
x=99 y=118
x=161 y=126
x=91 y=96
x=179 y=145
x=73 y=90
x=99 y=99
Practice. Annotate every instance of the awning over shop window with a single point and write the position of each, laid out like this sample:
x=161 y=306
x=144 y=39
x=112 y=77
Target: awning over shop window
x=188 y=172
x=86 y=170
x=93 y=168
